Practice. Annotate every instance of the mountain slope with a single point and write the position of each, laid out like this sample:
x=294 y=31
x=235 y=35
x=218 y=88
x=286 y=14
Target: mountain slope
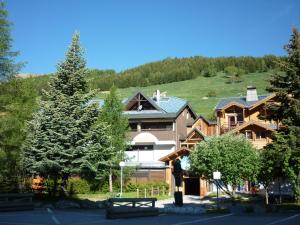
x=196 y=91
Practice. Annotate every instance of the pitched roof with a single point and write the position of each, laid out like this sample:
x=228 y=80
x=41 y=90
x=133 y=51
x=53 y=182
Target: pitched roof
x=270 y=127
x=195 y=130
x=210 y=122
x=145 y=96
x=174 y=155
x=241 y=101
x=166 y=107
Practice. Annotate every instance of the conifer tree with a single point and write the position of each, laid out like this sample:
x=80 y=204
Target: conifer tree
x=65 y=136
x=17 y=102
x=287 y=110
x=8 y=68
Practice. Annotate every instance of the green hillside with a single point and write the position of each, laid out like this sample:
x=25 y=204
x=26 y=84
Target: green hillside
x=196 y=90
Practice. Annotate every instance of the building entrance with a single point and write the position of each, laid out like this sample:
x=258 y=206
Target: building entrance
x=192 y=186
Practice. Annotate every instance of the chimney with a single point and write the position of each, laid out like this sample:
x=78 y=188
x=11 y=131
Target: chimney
x=157 y=96
x=251 y=94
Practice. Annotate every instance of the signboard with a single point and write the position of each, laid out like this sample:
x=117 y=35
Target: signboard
x=217 y=175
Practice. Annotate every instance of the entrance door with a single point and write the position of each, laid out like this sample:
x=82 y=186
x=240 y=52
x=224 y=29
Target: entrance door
x=231 y=121
x=192 y=186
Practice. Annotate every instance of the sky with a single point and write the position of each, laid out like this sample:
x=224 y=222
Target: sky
x=122 y=34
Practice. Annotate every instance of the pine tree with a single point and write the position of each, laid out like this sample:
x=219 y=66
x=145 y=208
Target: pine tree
x=8 y=68
x=287 y=110
x=17 y=102
x=111 y=114
x=65 y=136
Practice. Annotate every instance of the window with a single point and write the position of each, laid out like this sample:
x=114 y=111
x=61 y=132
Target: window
x=140 y=148
x=157 y=126
x=133 y=126
x=260 y=134
x=248 y=134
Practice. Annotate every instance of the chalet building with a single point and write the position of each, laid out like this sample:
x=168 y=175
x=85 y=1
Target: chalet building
x=157 y=126
x=245 y=115
x=240 y=115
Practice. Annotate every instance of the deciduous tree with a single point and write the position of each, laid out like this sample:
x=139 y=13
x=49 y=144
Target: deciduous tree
x=234 y=156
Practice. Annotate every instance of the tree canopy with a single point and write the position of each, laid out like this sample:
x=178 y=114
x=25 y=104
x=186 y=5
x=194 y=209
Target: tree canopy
x=234 y=156
x=65 y=136
x=8 y=67
x=286 y=110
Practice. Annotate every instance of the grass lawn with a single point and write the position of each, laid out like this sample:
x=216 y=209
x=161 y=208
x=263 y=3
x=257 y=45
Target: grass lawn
x=195 y=90
x=104 y=196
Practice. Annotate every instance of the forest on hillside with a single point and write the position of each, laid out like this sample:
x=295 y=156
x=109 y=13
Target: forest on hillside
x=179 y=69
x=172 y=70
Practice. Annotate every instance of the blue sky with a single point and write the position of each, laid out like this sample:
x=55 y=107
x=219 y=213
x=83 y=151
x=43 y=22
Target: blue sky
x=121 y=34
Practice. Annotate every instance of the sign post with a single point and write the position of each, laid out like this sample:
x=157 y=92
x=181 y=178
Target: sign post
x=217 y=176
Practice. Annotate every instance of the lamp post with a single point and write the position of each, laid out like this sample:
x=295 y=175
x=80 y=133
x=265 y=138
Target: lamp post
x=217 y=176
x=121 y=164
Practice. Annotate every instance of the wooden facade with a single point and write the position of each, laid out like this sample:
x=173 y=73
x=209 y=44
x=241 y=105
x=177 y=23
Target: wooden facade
x=248 y=120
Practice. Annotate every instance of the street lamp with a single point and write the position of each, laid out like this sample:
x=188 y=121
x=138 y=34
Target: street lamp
x=217 y=176
x=121 y=164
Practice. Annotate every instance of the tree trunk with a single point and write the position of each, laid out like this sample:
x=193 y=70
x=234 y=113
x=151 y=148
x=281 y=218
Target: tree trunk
x=110 y=181
x=297 y=191
x=279 y=190
x=267 y=195
x=234 y=191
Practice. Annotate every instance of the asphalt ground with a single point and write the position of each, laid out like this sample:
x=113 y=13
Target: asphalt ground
x=93 y=217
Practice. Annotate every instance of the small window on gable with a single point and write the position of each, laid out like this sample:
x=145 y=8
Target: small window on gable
x=248 y=134
x=139 y=103
x=187 y=115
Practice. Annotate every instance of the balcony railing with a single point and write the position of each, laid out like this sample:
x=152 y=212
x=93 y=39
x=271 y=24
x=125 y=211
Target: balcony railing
x=230 y=126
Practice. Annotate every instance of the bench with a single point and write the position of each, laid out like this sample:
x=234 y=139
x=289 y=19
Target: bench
x=16 y=202
x=130 y=207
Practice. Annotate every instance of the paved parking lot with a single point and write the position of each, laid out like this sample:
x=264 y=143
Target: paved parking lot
x=90 y=217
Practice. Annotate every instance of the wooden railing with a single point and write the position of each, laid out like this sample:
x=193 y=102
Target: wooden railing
x=230 y=126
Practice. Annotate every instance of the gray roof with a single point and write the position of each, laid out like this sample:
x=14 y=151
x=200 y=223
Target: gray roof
x=241 y=100
x=167 y=107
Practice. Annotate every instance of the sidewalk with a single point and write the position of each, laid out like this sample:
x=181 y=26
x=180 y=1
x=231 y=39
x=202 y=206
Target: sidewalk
x=191 y=205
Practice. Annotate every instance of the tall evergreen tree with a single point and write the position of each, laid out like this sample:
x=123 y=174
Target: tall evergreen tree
x=8 y=68
x=287 y=89
x=17 y=101
x=65 y=136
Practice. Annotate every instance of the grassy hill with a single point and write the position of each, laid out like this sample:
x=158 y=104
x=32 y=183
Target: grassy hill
x=196 y=90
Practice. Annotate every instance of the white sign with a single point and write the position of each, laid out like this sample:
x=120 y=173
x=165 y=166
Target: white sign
x=122 y=164
x=217 y=175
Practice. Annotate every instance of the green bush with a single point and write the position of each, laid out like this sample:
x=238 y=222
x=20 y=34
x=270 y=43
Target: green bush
x=77 y=185
x=131 y=187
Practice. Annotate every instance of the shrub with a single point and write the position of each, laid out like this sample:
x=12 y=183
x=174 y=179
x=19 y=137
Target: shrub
x=77 y=185
x=130 y=187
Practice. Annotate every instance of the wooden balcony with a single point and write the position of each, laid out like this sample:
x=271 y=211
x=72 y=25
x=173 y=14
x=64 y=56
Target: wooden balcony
x=226 y=127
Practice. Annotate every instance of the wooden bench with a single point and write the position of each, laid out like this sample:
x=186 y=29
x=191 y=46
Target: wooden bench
x=130 y=207
x=16 y=202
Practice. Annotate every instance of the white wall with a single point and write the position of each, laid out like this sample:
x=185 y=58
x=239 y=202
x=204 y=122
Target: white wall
x=151 y=155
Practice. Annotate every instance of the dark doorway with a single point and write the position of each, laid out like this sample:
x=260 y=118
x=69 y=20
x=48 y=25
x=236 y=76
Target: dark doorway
x=192 y=186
